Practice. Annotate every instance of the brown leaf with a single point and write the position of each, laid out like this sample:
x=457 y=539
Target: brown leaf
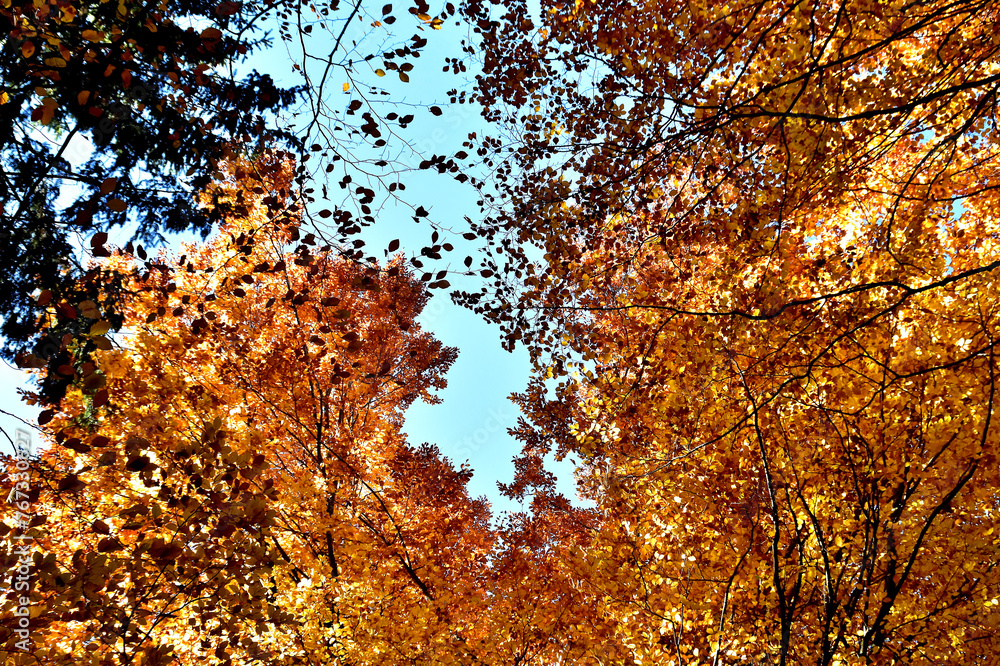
x=71 y=483
x=137 y=463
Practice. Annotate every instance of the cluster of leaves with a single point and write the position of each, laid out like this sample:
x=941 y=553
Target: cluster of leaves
x=120 y=115
x=730 y=122
x=238 y=485
x=112 y=113
x=752 y=248
x=359 y=141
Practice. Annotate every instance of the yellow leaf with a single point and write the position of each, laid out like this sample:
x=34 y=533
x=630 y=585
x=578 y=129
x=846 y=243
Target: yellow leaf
x=4 y=98
x=27 y=49
x=379 y=72
x=92 y=35
x=347 y=87
x=100 y=328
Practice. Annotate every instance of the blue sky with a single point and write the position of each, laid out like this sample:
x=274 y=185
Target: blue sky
x=472 y=421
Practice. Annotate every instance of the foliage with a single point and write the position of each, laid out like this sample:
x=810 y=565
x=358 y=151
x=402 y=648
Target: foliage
x=725 y=122
x=113 y=113
x=240 y=485
x=752 y=248
x=121 y=114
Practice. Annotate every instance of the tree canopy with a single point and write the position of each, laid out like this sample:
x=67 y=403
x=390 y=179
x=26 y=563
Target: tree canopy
x=752 y=249
x=120 y=115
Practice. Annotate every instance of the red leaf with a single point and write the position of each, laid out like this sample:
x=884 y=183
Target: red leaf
x=74 y=444
x=100 y=398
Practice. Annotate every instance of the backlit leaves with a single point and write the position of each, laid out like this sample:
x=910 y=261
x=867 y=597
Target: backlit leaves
x=755 y=269
x=252 y=454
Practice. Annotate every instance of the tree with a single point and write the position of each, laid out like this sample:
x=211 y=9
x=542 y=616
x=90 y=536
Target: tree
x=110 y=106
x=726 y=122
x=118 y=115
x=754 y=246
x=240 y=486
x=814 y=486
x=752 y=249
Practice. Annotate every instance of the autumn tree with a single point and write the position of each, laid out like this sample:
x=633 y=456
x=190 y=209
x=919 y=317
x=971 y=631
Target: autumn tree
x=123 y=109
x=722 y=121
x=120 y=114
x=752 y=248
x=813 y=486
x=230 y=482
